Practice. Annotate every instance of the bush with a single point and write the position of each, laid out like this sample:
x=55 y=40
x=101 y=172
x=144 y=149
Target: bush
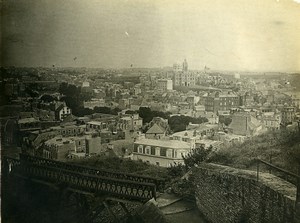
x=196 y=156
x=176 y=170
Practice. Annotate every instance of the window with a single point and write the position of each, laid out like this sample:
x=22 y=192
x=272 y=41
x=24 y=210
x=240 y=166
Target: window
x=157 y=163
x=140 y=148
x=169 y=153
x=147 y=150
x=163 y=152
x=152 y=151
x=157 y=151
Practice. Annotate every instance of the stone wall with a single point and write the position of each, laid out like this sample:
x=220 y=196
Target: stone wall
x=226 y=194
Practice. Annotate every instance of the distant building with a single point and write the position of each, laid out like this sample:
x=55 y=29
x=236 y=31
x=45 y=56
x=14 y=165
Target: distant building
x=184 y=66
x=93 y=145
x=85 y=84
x=94 y=103
x=61 y=112
x=28 y=124
x=58 y=148
x=69 y=130
x=177 y=67
x=61 y=148
x=245 y=124
x=182 y=77
x=237 y=76
x=188 y=136
x=288 y=115
x=160 y=152
x=165 y=84
x=221 y=101
x=95 y=126
x=271 y=120
x=130 y=122
x=155 y=132
x=185 y=79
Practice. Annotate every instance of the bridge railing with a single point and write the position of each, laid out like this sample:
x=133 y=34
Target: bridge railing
x=159 y=182
x=119 y=188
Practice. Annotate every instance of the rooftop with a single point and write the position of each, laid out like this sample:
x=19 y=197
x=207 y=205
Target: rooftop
x=95 y=123
x=27 y=120
x=164 y=143
x=58 y=141
x=156 y=129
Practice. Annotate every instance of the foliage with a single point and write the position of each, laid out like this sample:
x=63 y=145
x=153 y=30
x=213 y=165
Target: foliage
x=179 y=123
x=72 y=96
x=225 y=120
x=183 y=187
x=147 y=114
x=196 y=156
x=74 y=99
x=47 y=98
x=130 y=112
x=123 y=165
x=107 y=110
x=31 y=90
x=176 y=170
x=282 y=148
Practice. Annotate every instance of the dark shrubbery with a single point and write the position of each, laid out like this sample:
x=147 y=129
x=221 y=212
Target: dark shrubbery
x=114 y=163
x=282 y=148
x=179 y=123
x=196 y=156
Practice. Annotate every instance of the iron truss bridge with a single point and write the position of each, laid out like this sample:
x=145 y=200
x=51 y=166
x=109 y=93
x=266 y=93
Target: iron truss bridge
x=84 y=179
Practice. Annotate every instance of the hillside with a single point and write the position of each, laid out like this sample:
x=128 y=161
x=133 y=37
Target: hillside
x=281 y=148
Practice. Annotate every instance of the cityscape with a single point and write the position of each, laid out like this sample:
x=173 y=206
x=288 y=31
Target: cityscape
x=132 y=143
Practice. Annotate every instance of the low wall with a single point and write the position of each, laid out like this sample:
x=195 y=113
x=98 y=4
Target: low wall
x=225 y=194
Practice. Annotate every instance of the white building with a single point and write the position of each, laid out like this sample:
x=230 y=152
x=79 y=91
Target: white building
x=62 y=112
x=160 y=152
x=165 y=84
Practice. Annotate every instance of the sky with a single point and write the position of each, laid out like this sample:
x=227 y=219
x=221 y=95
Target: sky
x=240 y=35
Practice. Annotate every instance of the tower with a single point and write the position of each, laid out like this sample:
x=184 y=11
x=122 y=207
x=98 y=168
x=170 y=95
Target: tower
x=185 y=65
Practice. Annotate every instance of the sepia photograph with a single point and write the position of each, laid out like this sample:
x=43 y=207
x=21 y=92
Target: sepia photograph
x=150 y=111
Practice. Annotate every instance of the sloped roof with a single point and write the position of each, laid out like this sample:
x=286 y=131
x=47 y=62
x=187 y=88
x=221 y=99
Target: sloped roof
x=156 y=129
x=60 y=107
x=69 y=118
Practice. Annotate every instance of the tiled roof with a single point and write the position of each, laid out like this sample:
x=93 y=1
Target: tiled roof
x=156 y=129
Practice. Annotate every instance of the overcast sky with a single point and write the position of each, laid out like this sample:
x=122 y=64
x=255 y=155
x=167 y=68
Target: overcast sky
x=253 y=35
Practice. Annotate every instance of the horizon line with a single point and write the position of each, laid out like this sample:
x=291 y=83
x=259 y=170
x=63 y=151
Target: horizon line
x=136 y=68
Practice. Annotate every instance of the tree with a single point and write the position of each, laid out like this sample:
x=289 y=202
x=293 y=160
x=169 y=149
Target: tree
x=179 y=123
x=196 y=156
x=225 y=120
x=146 y=114
x=47 y=98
